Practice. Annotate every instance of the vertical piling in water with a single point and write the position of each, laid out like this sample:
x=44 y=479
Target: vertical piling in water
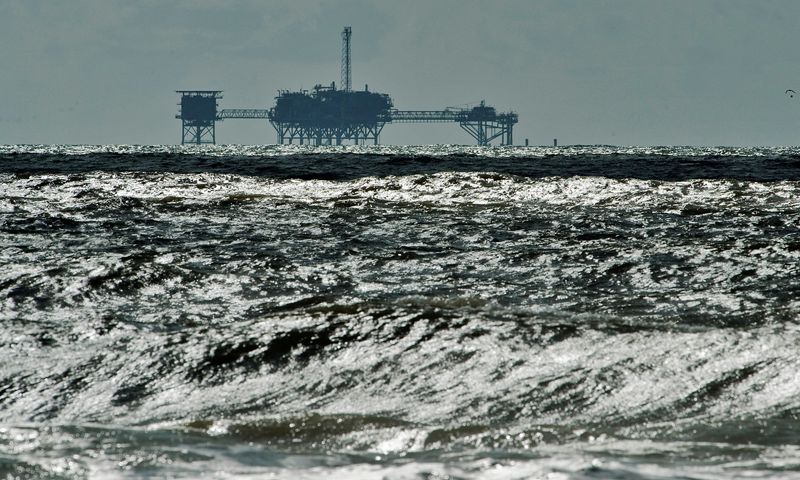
x=526 y=142
x=555 y=142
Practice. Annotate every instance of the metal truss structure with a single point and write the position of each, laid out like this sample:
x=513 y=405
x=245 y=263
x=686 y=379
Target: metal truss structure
x=329 y=116
x=297 y=132
x=243 y=113
x=347 y=73
x=199 y=134
x=357 y=133
x=198 y=116
x=485 y=131
x=481 y=123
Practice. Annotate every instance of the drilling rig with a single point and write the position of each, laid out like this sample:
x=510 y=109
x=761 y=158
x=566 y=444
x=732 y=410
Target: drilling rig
x=327 y=115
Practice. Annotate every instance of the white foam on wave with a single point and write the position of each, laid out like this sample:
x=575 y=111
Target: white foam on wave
x=405 y=150
x=55 y=192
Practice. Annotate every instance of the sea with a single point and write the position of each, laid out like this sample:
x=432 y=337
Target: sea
x=386 y=312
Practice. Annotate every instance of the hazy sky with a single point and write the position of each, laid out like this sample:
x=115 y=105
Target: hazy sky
x=624 y=72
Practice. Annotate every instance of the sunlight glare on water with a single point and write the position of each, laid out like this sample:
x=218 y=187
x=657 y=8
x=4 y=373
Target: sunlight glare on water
x=399 y=312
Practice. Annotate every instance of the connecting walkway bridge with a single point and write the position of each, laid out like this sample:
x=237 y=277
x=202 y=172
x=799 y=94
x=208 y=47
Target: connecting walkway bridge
x=481 y=122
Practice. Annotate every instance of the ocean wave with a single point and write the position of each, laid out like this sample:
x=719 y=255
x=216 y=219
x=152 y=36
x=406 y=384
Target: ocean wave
x=463 y=312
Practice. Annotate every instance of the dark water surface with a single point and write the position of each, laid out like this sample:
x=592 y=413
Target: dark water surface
x=399 y=312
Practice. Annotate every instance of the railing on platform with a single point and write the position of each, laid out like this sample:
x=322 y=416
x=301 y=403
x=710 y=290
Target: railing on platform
x=483 y=127
x=427 y=116
x=242 y=113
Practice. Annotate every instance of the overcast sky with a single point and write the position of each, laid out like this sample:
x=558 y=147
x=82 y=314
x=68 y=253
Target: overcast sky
x=623 y=72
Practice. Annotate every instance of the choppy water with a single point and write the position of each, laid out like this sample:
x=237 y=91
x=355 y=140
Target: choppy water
x=388 y=312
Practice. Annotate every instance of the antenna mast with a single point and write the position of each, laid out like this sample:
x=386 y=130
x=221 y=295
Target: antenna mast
x=347 y=79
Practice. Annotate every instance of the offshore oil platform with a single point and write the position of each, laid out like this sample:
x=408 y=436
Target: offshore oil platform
x=327 y=115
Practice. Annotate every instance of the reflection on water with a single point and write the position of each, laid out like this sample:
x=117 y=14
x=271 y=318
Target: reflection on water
x=365 y=312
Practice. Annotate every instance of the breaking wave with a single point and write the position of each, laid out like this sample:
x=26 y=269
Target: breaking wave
x=578 y=312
